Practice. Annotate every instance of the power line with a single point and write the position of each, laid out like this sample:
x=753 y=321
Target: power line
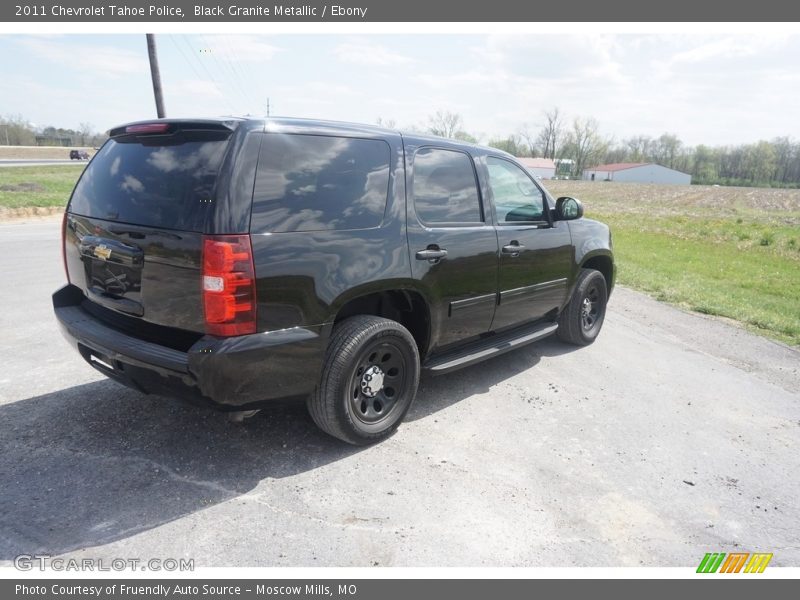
x=188 y=62
x=210 y=76
x=243 y=72
x=244 y=67
x=234 y=77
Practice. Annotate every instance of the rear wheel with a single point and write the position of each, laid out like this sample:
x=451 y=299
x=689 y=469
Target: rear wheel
x=369 y=380
x=580 y=322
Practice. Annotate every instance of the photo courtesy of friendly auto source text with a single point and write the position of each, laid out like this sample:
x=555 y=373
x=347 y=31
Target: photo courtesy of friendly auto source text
x=378 y=290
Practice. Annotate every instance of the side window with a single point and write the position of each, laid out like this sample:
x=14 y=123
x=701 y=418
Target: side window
x=516 y=197
x=445 y=187
x=317 y=183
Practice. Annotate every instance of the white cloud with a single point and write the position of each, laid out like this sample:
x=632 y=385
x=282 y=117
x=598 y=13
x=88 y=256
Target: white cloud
x=365 y=53
x=727 y=48
x=241 y=48
x=198 y=87
x=105 y=60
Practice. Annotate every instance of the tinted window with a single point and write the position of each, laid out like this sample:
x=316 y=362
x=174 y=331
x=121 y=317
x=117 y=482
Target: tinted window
x=445 y=189
x=516 y=197
x=313 y=183
x=164 y=185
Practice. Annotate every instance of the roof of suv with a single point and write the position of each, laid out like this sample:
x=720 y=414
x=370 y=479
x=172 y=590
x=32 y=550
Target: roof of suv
x=296 y=124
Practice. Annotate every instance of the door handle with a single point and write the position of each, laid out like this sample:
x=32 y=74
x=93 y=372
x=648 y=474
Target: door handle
x=432 y=253
x=513 y=248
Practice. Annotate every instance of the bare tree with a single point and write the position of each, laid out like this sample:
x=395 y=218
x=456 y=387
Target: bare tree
x=511 y=144
x=529 y=137
x=550 y=134
x=639 y=147
x=445 y=124
x=16 y=131
x=584 y=144
x=666 y=149
x=388 y=123
x=465 y=137
x=86 y=132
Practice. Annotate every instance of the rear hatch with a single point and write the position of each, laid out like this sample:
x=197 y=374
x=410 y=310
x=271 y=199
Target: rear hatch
x=133 y=238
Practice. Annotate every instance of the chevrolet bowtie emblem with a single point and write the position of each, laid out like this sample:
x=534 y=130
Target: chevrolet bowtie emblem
x=102 y=252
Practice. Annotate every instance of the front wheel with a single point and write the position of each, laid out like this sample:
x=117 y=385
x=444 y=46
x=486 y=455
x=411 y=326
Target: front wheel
x=369 y=380
x=581 y=320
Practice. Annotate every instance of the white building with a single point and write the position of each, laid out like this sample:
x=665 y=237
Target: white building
x=638 y=173
x=543 y=168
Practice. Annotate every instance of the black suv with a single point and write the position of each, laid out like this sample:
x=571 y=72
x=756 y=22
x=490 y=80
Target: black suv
x=239 y=261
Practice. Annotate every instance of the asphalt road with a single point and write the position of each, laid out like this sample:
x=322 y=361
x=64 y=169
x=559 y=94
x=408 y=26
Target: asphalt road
x=672 y=436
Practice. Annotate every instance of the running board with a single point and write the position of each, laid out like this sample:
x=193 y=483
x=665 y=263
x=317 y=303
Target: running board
x=487 y=348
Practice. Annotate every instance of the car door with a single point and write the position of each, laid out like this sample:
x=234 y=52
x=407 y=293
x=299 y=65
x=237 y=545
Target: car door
x=453 y=244
x=535 y=252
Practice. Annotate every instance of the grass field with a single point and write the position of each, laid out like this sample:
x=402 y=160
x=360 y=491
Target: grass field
x=730 y=252
x=22 y=187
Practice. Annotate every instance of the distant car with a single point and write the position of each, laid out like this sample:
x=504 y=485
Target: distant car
x=78 y=155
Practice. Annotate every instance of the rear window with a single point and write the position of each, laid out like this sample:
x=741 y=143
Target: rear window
x=318 y=183
x=169 y=185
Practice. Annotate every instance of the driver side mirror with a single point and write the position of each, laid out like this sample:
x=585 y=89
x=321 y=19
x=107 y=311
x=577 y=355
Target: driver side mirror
x=568 y=209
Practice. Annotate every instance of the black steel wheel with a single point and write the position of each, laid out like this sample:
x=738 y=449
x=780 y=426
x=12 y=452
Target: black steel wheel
x=581 y=320
x=591 y=308
x=369 y=380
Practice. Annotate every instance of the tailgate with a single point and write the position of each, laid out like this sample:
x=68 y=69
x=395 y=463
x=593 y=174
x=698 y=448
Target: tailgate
x=140 y=271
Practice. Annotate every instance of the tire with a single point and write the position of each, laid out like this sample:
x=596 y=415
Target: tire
x=581 y=320
x=364 y=351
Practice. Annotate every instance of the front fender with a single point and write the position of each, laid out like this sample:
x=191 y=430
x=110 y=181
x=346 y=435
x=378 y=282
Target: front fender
x=593 y=247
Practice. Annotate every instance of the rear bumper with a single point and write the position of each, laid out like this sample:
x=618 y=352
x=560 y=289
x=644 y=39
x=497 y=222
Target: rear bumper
x=233 y=373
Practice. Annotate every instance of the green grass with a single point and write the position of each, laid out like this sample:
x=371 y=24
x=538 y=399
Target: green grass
x=758 y=289
x=717 y=251
x=22 y=187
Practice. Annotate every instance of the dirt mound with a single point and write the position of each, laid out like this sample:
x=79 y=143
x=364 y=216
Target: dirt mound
x=22 y=187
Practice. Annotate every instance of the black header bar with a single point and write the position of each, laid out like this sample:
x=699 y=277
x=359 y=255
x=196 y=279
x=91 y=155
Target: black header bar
x=441 y=11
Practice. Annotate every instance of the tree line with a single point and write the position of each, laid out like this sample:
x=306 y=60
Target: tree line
x=17 y=131
x=767 y=163
x=576 y=144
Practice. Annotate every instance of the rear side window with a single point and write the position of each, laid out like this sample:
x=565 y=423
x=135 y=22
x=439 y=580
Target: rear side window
x=318 y=183
x=166 y=184
x=445 y=187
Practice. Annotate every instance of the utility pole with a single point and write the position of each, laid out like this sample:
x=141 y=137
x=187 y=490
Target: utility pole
x=267 y=107
x=156 y=75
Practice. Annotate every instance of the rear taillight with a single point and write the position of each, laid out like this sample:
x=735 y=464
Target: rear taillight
x=64 y=244
x=229 y=285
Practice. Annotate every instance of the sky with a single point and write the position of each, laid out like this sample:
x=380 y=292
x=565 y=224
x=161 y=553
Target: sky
x=707 y=89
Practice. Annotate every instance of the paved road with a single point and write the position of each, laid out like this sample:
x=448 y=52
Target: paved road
x=672 y=436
